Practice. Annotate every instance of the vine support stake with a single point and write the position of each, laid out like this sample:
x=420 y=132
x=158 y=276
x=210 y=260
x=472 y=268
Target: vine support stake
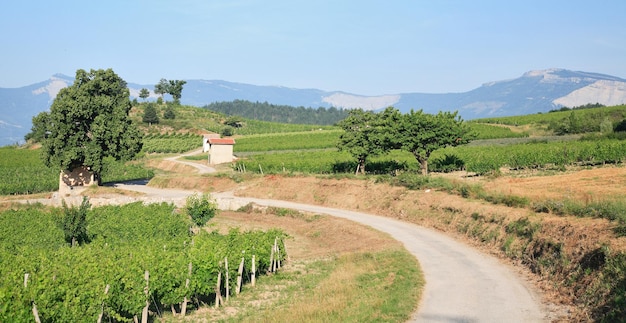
x=218 y=292
x=144 y=313
x=183 y=310
x=239 y=276
x=106 y=291
x=227 y=282
x=253 y=279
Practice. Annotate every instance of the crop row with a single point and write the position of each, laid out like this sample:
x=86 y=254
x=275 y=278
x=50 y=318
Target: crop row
x=23 y=172
x=479 y=159
x=288 y=141
x=68 y=284
x=171 y=144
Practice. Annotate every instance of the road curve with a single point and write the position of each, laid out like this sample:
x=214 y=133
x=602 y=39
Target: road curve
x=462 y=284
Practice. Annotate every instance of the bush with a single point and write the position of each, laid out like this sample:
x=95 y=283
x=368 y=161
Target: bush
x=74 y=223
x=201 y=209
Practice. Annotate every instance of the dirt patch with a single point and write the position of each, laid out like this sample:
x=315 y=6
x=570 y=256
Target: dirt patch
x=312 y=236
x=586 y=185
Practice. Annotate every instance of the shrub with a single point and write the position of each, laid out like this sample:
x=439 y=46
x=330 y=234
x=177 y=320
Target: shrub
x=74 y=223
x=201 y=209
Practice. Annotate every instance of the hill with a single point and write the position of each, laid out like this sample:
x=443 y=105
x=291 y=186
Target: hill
x=535 y=91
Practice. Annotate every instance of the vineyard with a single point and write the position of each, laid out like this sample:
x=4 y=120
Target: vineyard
x=137 y=255
x=477 y=159
x=23 y=172
x=171 y=143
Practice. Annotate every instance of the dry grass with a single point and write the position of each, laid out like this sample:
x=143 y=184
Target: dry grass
x=323 y=279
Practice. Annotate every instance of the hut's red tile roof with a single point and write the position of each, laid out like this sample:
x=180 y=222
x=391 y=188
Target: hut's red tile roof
x=221 y=141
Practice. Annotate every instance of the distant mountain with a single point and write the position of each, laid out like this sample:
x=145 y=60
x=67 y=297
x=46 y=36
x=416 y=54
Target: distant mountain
x=535 y=91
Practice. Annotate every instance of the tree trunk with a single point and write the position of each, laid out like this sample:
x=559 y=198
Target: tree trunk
x=361 y=167
x=424 y=165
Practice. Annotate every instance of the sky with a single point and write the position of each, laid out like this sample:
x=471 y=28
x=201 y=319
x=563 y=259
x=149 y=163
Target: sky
x=362 y=47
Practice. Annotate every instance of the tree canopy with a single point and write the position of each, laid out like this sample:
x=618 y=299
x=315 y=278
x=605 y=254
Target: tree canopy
x=421 y=133
x=171 y=87
x=363 y=136
x=369 y=134
x=88 y=121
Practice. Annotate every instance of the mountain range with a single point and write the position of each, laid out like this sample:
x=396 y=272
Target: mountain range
x=533 y=92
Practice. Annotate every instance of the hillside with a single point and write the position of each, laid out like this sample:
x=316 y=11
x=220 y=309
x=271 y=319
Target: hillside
x=535 y=91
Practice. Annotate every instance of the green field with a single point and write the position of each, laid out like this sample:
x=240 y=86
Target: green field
x=68 y=284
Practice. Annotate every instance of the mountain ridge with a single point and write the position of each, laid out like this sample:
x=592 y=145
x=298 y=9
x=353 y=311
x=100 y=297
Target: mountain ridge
x=534 y=91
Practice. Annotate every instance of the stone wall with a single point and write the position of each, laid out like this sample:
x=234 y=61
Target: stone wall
x=71 y=183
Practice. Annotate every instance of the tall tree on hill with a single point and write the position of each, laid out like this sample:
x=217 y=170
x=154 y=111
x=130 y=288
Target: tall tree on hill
x=89 y=121
x=150 y=115
x=421 y=133
x=162 y=87
x=144 y=94
x=175 y=89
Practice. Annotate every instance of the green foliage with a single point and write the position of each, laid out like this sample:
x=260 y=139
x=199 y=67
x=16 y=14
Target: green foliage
x=421 y=134
x=317 y=139
x=23 y=172
x=169 y=113
x=367 y=134
x=489 y=131
x=279 y=113
x=227 y=131
x=40 y=128
x=171 y=143
x=171 y=87
x=150 y=114
x=74 y=223
x=144 y=93
x=201 y=209
x=68 y=284
x=591 y=116
x=89 y=121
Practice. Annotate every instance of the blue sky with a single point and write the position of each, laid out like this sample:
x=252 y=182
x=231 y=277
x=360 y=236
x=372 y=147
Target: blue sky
x=362 y=47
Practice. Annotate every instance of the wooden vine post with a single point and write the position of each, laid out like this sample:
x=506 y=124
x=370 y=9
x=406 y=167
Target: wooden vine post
x=253 y=278
x=227 y=282
x=218 y=292
x=106 y=291
x=35 y=312
x=239 y=276
x=144 y=313
x=183 y=310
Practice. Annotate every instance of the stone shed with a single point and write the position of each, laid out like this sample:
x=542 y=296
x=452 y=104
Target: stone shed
x=220 y=150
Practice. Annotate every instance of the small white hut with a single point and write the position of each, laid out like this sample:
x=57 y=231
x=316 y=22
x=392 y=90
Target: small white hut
x=220 y=150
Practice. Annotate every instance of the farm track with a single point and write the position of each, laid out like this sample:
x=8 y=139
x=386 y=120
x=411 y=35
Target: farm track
x=462 y=284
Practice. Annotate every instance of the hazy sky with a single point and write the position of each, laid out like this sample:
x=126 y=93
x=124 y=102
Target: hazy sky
x=362 y=47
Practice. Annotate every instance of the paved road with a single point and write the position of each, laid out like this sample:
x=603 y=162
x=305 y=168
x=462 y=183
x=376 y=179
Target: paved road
x=462 y=284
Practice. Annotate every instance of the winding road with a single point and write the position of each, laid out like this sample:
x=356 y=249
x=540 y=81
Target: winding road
x=462 y=284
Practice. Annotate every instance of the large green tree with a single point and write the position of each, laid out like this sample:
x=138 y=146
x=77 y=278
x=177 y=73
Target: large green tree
x=364 y=136
x=89 y=121
x=144 y=94
x=162 y=87
x=421 y=133
x=176 y=89
x=150 y=114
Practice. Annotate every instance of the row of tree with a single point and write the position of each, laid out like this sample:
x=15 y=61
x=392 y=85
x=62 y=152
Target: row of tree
x=368 y=134
x=171 y=87
x=279 y=113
